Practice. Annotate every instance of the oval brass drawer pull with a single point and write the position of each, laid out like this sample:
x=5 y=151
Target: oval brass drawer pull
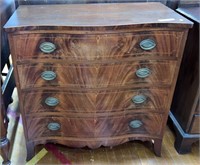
x=53 y=126
x=51 y=101
x=143 y=72
x=135 y=124
x=47 y=47
x=48 y=75
x=139 y=99
x=147 y=44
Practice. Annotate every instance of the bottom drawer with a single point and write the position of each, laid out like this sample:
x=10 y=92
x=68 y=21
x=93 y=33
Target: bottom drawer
x=148 y=124
x=41 y=127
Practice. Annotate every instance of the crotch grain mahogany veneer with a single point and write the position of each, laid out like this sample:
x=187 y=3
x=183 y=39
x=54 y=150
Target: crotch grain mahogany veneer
x=96 y=74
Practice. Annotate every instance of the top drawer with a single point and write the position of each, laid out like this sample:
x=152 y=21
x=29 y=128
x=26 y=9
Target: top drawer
x=96 y=47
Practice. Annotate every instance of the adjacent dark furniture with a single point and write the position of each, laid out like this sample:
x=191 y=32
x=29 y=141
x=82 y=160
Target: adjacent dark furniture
x=185 y=112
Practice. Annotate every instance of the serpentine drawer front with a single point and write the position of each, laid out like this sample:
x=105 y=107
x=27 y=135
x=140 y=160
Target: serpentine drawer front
x=96 y=74
x=94 y=127
x=97 y=46
x=95 y=100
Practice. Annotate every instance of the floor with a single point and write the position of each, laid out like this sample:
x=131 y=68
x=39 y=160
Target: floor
x=131 y=153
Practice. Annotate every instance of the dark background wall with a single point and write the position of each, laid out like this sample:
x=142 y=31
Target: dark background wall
x=170 y=3
x=82 y=1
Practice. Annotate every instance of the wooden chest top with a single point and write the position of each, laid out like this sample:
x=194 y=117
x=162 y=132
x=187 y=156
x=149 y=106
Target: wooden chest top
x=96 y=15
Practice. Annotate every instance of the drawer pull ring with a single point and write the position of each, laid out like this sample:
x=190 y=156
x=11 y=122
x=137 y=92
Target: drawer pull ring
x=51 y=101
x=143 y=72
x=47 y=47
x=147 y=44
x=139 y=99
x=53 y=126
x=135 y=124
x=48 y=75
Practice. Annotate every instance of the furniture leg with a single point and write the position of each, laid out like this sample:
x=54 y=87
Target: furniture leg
x=4 y=142
x=30 y=147
x=5 y=145
x=157 y=147
x=182 y=144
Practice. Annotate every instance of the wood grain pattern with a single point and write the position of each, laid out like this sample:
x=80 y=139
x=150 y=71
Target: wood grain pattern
x=96 y=75
x=70 y=127
x=114 y=126
x=133 y=152
x=95 y=15
x=97 y=101
x=94 y=127
x=93 y=143
x=95 y=60
x=96 y=47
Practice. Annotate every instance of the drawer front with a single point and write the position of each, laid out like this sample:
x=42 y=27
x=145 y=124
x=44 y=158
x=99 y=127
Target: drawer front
x=96 y=47
x=40 y=127
x=195 y=127
x=95 y=101
x=149 y=124
x=96 y=75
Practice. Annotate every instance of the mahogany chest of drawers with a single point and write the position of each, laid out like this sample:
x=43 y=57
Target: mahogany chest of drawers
x=96 y=74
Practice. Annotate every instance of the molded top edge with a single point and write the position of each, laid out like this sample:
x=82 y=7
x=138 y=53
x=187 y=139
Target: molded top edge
x=95 y=15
